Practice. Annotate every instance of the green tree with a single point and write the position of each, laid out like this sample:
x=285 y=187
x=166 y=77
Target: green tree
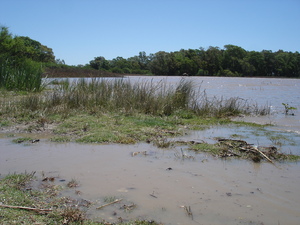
x=233 y=56
x=213 y=60
x=269 y=62
x=256 y=59
x=35 y=50
x=120 y=63
x=143 y=60
x=285 y=64
x=100 y=63
x=159 y=63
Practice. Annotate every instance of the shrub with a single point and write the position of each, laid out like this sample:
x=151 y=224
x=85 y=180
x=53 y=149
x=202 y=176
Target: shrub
x=25 y=76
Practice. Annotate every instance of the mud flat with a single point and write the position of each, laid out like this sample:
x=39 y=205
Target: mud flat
x=162 y=186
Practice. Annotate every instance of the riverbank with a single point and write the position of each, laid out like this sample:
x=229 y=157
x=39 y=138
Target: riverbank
x=136 y=146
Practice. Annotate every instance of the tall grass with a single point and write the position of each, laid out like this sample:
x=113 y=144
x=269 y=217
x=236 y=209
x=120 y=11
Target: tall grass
x=119 y=95
x=27 y=76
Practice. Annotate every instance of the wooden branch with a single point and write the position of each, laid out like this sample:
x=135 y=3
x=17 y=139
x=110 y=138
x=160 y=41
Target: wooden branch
x=102 y=206
x=26 y=208
x=263 y=155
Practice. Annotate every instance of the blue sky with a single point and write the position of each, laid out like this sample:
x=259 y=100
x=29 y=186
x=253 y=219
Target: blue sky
x=79 y=30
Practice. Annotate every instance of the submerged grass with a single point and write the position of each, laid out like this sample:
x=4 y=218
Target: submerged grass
x=114 y=128
x=21 y=202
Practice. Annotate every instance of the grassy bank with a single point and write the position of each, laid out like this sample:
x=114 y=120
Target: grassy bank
x=116 y=110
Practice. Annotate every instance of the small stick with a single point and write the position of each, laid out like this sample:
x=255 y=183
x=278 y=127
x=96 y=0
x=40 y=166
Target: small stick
x=152 y=195
x=102 y=206
x=264 y=155
x=26 y=208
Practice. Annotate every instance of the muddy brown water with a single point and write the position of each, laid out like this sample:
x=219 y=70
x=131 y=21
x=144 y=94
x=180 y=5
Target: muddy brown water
x=217 y=191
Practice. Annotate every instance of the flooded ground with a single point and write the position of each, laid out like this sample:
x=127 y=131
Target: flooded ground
x=161 y=185
x=270 y=92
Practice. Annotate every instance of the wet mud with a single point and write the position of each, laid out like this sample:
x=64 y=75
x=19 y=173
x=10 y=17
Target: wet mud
x=160 y=186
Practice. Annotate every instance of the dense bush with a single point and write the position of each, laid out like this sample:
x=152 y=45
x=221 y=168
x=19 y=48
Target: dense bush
x=21 y=61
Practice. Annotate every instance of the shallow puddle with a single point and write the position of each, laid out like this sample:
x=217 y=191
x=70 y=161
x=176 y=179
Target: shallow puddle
x=160 y=184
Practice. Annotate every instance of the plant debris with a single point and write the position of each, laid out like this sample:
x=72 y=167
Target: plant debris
x=226 y=148
x=113 y=202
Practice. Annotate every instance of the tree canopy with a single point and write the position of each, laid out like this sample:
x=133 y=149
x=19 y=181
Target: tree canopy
x=230 y=61
x=20 y=62
x=18 y=48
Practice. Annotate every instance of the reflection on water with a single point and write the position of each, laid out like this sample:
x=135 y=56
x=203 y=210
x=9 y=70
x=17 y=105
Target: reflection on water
x=218 y=192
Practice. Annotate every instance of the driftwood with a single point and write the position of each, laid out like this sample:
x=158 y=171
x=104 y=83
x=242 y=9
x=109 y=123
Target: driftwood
x=102 y=206
x=26 y=208
x=264 y=155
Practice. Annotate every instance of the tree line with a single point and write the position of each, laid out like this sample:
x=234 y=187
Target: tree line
x=230 y=61
x=19 y=51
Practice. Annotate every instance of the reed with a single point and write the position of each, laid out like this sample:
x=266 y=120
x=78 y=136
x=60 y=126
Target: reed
x=119 y=95
x=27 y=76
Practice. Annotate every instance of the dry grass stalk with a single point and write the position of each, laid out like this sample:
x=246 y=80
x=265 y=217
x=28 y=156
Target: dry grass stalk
x=116 y=201
x=27 y=208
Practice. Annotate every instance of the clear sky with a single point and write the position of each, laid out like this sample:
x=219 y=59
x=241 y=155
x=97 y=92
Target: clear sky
x=79 y=30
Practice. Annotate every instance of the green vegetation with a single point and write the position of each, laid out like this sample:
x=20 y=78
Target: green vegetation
x=25 y=60
x=27 y=200
x=21 y=140
x=230 y=61
x=21 y=61
x=230 y=148
x=288 y=109
x=116 y=111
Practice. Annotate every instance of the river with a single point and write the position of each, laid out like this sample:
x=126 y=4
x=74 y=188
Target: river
x=160 y=184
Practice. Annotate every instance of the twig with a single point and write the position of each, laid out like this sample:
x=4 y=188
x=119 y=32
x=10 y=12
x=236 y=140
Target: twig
x=152 y=195
x=189 y=211
x=26 y=208
x=102 y=206
x=263 y=155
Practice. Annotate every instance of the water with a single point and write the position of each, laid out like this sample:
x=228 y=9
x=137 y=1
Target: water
x=270 y=92
x=218 y=191
x=261 y=91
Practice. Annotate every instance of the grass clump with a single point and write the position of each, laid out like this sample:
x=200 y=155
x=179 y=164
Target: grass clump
x=233 y=148
x=114 y=128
